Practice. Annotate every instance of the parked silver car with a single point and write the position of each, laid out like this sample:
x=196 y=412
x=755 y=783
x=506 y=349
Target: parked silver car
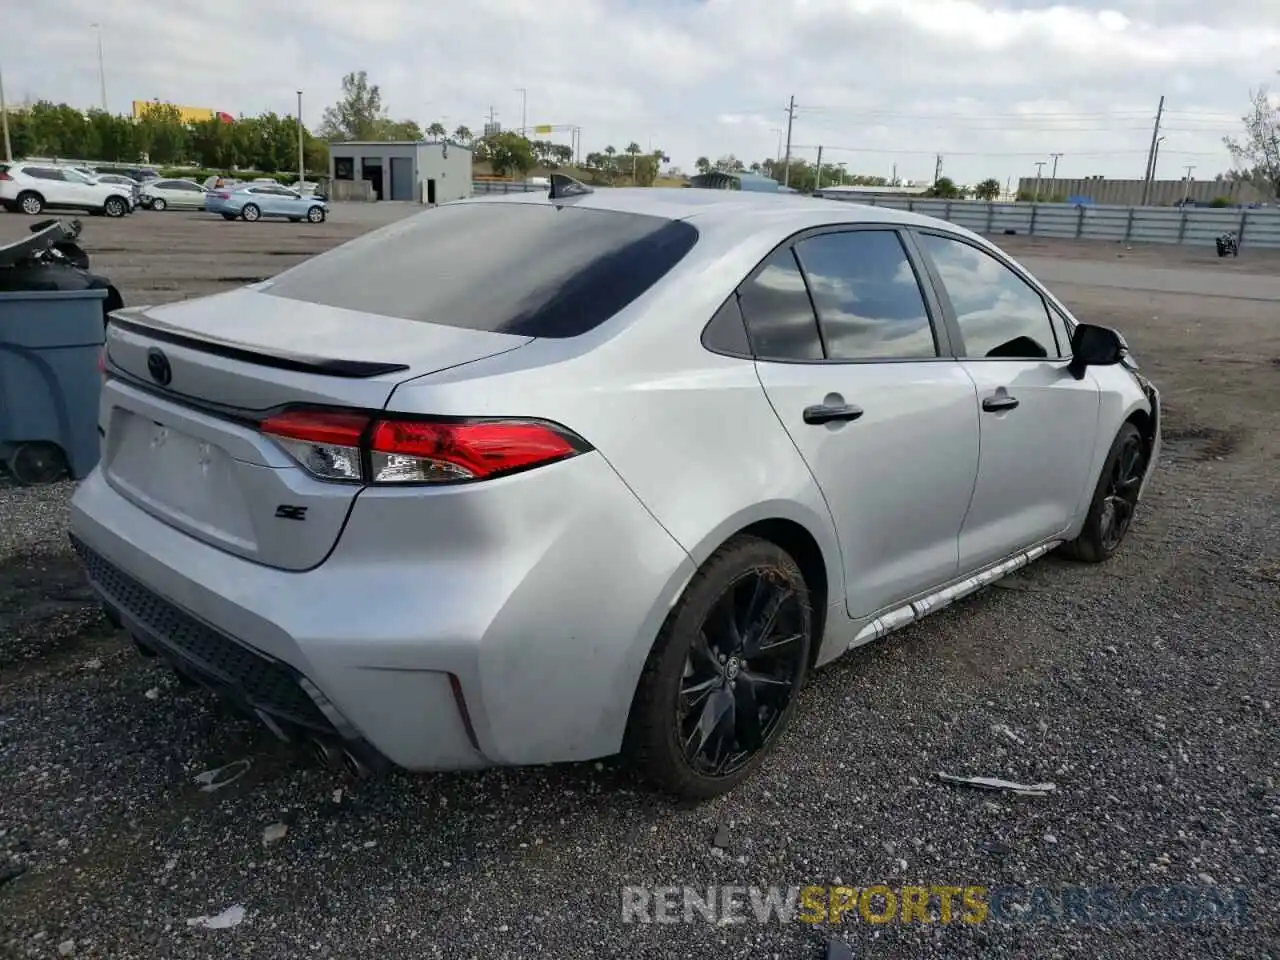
x=160 y=195
x=544 y=478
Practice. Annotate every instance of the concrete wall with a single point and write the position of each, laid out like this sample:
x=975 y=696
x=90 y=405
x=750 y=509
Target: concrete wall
x=1129 y=192
x=449 y=166
x=1192 y=226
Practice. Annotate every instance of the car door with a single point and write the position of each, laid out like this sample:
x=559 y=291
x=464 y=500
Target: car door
x=54 y=186
x=852 y=353
x=262 y=197
x=1038 y=421
x=193 y=196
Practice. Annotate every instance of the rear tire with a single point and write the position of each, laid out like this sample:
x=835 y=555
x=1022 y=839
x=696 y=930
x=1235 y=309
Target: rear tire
x=1115 y=499
x=31 y=203
x=251 y=213
x=723 y=679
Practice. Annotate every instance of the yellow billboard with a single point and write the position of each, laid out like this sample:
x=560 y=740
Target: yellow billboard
x=187 y=114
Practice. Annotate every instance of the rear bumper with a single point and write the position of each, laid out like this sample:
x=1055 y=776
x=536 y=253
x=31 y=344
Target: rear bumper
x=518 y=652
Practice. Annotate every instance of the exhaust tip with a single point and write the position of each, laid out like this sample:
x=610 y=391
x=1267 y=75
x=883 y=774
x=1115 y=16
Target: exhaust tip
x=327 y=754
x=354 y=765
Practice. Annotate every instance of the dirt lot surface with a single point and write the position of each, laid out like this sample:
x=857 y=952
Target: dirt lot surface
x=1146 y=690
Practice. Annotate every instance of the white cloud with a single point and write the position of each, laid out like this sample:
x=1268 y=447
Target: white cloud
x=993 y=85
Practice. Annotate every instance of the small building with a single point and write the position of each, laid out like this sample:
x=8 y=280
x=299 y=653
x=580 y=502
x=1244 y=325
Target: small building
x=737 y=180
x=424 y=171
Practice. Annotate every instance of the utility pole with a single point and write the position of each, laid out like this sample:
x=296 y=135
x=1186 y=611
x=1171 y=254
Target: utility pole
x=1156 y=157
x=778 y=161
x=937 y=170
x=1055 y=157
x=1151 y=154
x=524 y=111
x=1186 y=193
x=4 y=124
x=893 y=181
x=302 y=161
x=102 y=70
x=492 y=116
x=1035 y=197
x=786 y=162
x=819 y=182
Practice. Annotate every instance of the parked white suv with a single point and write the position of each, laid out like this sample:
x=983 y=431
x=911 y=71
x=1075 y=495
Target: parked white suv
x=32 y=188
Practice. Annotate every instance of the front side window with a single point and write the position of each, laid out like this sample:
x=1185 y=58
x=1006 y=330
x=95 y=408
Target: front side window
x=999 y=314
x=779 y=314
x=867 y=296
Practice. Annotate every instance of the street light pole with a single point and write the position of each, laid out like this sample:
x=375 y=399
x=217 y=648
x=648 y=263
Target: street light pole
x=302 y=162
x=1039 y=168
x=524 y=111
x=102 y=70
x=4 y=124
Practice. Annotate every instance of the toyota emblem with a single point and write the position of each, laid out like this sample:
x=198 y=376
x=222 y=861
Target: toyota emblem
x=158 y=367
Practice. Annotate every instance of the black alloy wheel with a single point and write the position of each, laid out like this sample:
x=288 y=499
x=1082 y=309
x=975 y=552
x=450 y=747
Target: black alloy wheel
x=724 y=676
x=1121 y=499
x=741 y=673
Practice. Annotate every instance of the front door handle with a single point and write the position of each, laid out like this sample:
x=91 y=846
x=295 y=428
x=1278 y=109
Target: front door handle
x=831 y=413
x=998 y=403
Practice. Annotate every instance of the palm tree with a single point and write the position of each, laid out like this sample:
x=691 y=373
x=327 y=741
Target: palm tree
x=436 y=130
x=462 y=134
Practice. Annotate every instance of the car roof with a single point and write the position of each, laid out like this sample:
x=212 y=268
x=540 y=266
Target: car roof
x=740 y=211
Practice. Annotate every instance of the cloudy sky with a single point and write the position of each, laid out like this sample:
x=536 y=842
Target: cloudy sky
x=992 y=85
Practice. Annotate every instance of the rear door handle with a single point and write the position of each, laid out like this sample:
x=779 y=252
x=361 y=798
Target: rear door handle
x=996 y=404
x=831 y=413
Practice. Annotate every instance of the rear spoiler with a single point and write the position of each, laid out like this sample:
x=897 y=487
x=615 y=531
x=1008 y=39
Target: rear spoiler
x=136 y=320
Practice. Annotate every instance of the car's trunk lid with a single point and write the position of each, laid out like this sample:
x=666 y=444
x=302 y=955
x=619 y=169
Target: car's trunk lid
x=188 y=383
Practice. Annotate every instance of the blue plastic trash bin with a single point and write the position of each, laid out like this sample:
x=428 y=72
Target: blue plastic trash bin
x=50 y=342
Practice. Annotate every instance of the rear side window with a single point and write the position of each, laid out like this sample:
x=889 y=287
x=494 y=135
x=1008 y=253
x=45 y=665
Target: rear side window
x=867 y=296
x=779 y=315
x=44 y=173
x=529 y=269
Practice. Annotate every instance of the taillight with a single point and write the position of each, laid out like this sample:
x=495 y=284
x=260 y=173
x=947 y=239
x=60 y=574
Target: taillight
x=4 y=176
x=223 y=196
x=355 y=447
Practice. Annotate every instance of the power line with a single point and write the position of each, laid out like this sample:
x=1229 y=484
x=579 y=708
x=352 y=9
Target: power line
x=1001 y=153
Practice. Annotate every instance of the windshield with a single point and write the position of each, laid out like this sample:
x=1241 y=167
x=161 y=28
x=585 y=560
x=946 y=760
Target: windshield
x=75 y=176
x=537 y=270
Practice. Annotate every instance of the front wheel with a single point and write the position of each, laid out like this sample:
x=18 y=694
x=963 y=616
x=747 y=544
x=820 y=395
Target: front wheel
x=158 y=204
x=114 y=207
x=1115 y=499
x=316 y=215
x=251 y=212
x=723 y=678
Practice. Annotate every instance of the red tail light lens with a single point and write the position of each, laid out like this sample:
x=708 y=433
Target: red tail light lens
x=4 y=176
x=223 y=196
x=344 y=446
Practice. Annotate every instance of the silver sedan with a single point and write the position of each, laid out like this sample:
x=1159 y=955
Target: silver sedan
x=551 y=477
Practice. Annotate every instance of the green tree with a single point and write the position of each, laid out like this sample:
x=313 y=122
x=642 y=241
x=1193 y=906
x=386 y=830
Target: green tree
x=162 y=135
x=436 y=130
x=944 y=188
x=702 y=165
x=400 y=130
x=510 y=154
x=1257 y=152
x=988 y=189
x=463 y=135
x=358 y=114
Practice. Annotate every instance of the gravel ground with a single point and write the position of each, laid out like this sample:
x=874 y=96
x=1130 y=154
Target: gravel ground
x=1145 y=689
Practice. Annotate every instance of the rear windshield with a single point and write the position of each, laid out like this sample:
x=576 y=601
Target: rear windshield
x=530 y=269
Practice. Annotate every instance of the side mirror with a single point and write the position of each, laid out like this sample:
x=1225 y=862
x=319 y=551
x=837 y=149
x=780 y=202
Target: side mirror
x=1093 y=346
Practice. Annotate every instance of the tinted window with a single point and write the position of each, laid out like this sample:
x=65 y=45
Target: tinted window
x=778 y=311
x=727 y=333
x=44 y=173
x=1000 y=316
x=867 y=296
x=164 y=185
x=534 y=269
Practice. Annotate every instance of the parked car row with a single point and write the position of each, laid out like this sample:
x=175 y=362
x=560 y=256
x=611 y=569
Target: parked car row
x=34 y=187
